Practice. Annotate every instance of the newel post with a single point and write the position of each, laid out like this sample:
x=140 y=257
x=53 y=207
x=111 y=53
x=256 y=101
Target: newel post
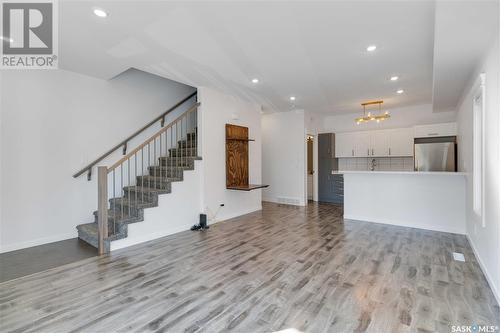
x=102 y=208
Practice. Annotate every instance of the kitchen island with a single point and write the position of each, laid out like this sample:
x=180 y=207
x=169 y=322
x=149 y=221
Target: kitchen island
x=426 y=200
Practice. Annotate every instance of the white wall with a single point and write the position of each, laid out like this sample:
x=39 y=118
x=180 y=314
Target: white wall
x=284 y=157
x=428 y=201
x=485 y=241
x=401 y=117
x=52 y=124
x=217 y=110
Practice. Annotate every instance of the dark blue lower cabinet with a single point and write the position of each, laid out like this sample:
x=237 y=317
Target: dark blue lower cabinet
x=330 y=187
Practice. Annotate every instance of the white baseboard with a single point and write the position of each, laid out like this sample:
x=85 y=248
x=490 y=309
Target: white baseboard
x=36 y=242
x=406 y=224
x=126 y=242
x=300 y=203
x=494 y=288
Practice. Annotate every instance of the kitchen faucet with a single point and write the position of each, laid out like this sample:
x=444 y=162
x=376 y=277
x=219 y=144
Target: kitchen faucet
x=374 y=164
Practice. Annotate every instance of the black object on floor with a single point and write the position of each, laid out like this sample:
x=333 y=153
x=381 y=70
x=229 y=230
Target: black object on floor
x=199 y=227
x=36 y=259
x=203 y=221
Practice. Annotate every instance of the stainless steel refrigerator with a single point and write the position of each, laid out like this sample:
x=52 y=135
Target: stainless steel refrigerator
x=436 y=154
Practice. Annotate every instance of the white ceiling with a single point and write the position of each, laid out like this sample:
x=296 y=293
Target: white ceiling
x=312 y=50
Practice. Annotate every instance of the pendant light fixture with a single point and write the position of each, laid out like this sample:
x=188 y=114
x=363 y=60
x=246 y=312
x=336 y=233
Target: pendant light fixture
x=372 y=117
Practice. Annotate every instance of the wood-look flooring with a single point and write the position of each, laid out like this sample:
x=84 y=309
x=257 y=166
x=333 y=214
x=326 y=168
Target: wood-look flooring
x=39 y=258
x=281 y=268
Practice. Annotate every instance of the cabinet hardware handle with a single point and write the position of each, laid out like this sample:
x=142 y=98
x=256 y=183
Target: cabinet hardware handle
x=389 y=151
x=368 y=151
x=372 y=152
x=353 y=152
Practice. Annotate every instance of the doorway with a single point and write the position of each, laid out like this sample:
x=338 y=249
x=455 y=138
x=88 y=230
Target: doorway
x=310 y=167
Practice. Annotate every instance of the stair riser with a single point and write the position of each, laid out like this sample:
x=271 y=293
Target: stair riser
x=118 y=218
x=88 y=238
x=176 y=162
x=119 y=226
x=168 y=172
x=187 y=144
x=117 y=203
x=134 y=211
x=143 y=196
x=191 y=152
x=157 y=184
x=94 y=242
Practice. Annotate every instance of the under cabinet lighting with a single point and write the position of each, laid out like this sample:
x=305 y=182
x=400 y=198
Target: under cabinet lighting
x=394 y=78
x=371 y=48
x=400 y=91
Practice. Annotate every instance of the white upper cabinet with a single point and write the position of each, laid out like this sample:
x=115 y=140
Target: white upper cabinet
x=344 y=144
x=427 y=131
x=362 y=144
x=379 y=143
x=401 y=142
x=352 y=144
x=384 y=143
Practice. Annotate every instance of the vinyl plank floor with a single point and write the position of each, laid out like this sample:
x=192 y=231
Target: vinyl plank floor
x=280 y=268
x=36 y=259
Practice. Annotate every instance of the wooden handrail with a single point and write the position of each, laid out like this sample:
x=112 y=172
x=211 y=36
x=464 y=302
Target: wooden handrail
x=145 y=143
x=123 y=143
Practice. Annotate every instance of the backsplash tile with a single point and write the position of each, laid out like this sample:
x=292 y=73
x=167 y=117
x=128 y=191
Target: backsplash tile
x=381 y=164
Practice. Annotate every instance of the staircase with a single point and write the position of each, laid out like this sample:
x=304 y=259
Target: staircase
x=134 y=182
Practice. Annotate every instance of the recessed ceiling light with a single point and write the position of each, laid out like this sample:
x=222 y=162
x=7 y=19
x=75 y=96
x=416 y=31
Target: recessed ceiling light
x=292 y=98
x=7 y=39
x=394 y=78
x=371 y=48
x=400 y=91
x=100 y=13
x=255 y=80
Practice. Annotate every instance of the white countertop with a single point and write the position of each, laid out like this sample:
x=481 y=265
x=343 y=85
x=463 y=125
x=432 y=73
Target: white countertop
x=420 y=173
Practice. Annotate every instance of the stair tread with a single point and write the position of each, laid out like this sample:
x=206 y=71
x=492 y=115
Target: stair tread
x=145 y=189
x=182 y=148
x=162 y=179
x=194 y=158
x=172 y=167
